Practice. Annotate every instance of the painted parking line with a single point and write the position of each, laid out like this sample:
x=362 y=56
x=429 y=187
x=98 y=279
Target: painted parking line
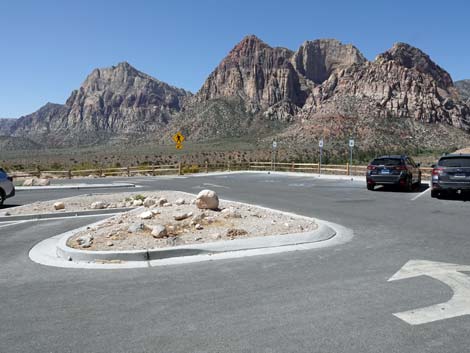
x=420 y=194
x=7 y=224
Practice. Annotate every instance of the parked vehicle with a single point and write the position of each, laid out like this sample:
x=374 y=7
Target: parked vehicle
x=7 y=189
x=400 y=171
x=451 y=174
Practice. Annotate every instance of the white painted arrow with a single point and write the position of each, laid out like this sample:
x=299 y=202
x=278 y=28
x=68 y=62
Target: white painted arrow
x=449 y=274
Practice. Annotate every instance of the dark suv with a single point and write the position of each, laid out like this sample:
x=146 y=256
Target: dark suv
x=395 y=170
x=451 y=174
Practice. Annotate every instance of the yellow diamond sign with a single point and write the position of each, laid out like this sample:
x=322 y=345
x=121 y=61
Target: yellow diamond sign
x=178 y=138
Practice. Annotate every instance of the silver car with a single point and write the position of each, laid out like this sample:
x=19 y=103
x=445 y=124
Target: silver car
x=7 y=189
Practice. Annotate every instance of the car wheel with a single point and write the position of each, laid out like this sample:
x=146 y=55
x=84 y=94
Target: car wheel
x=370 y=187
x=409 y=184
x=418 y=185
x=2 y=197
x=434 y=193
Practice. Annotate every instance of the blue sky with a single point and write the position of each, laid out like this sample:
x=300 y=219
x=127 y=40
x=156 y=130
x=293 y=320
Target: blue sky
x=48 y=47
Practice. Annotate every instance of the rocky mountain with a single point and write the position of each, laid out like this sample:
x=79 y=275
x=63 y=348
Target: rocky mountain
x=463 y=87
x=325 y=88
x=327 y=84
x=5 y=126
x=115 y=101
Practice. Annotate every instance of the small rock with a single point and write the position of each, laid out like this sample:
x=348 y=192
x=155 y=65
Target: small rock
x=135 y=227
x=198 y=218
x=210 y=219
x=207 y=199
x=180 y=217
x=112 y=205
x=98 y=205
x=146 y=215
x=137 y=203
x=161 y=201
x=231 y=213
x=120 y=205
x=109 y=243
x=155 y=212
x=167 y=204
x=198 y=238
x=199 y=227
x=149 y=202
x=85 y=241
x=180 y=202
x=159 y=231
x=173 y=241
x=59 y=205
x=286 y=225
x=216 y=236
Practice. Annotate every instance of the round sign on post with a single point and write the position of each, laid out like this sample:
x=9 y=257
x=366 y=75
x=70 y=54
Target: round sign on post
x=351 y=143
x=320 y=143
x=274 y=144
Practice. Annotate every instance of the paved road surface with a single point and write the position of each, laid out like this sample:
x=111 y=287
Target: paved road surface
x=328 y=300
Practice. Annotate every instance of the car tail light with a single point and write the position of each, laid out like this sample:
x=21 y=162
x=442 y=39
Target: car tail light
x=371 y=167
x=437 y=171
x=401 y=167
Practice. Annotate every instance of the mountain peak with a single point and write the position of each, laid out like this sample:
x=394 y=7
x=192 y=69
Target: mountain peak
x=411 y=57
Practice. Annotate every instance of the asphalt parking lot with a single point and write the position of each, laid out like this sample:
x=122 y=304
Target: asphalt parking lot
x=335 y=299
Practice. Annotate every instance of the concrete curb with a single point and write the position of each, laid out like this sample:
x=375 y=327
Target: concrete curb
x=322 y=233
x=34 y=217
x=76 y=186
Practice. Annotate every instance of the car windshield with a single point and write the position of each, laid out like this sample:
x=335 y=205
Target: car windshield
x=456 y=162
x=386 y=161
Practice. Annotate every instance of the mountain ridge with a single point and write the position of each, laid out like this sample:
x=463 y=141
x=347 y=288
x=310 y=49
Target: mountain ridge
x=255 y=90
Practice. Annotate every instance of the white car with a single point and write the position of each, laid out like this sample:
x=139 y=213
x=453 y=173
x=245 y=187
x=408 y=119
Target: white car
x=7 y=189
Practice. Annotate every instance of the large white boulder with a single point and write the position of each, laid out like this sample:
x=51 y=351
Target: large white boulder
x=59 y=205
x=207 y=199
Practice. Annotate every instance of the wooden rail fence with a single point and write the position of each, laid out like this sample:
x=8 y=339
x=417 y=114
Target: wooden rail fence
x=171 y=169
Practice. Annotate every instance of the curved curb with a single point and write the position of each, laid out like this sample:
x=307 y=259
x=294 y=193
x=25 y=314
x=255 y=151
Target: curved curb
x=322 y=233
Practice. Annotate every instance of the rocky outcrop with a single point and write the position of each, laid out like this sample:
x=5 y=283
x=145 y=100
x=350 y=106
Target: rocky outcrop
x=317 y=60
x=402 y=82
x=463 y=88
x=261 y=75
x=5 y=126
x=113 y=101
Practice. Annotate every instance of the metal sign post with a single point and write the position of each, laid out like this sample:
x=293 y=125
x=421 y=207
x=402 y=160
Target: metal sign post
x=351 y=146
x=274 y=155
x=320 y=144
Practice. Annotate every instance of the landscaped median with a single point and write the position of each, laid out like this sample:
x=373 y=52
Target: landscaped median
x=174 y=227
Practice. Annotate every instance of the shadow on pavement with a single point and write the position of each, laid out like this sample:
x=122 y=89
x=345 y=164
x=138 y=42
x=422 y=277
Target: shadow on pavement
x=391 y=188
